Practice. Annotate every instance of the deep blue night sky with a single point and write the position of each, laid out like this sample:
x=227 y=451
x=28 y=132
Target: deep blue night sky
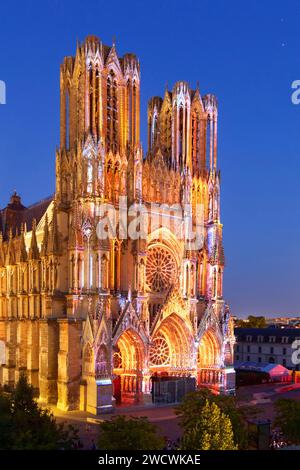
x=247 y=53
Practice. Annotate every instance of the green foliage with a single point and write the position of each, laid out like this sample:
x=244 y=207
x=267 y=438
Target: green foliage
x=211 y=430
x=121 y=433
x=288 y=419
x=253 y=322
x=193 y=403
x=6 y=428
x=24 y=425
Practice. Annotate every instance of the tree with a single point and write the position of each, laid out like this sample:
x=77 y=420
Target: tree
x=6 y=430
x=252 y=322
x=193 y=403
x=211 y=430
x=288 y=419
x=121 y=433
x=24 y=425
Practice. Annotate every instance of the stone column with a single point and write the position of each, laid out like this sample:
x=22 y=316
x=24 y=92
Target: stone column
x=215 y=141
x=10 y=352
x=2 y=330
x=210 y=143
x=49 y=344
x=146 y=388
x=21 y=349
x=69 y=364
x=2 y=347
x=33 y=353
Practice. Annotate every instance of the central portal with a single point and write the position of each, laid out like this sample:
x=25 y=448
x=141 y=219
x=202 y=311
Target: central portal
x=171 y=351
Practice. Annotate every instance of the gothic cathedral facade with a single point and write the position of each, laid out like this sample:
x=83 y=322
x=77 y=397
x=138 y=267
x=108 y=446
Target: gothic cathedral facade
x=92 y=320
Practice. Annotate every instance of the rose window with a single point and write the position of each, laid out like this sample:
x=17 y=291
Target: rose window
x=159 y=352
x=160 y=269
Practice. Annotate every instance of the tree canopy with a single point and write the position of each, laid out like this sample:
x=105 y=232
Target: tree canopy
x=288 y=419
x=211 y=430
x=24 y=425
x=194 y=402
x=252 y=322
x=122 y=433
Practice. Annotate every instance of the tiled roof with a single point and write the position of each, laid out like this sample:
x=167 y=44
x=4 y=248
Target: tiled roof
x=267 y=332
x=36 y=211
x=14 y=215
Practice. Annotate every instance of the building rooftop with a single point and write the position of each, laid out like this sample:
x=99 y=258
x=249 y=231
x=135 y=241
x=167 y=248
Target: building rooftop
x=267 y=332
x=15 y=214
x=241 y=334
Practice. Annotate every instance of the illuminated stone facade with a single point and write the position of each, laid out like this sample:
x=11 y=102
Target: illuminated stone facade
x=90 y=320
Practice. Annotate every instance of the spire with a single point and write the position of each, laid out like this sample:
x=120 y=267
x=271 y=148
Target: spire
x=77 y=47
x=77 y=55
x=22 y=247
x=10 y=259
x=45 y=237
x=54 y=245
x=34 y=250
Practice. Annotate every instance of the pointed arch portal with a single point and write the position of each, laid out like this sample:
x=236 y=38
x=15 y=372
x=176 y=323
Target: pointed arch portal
x=172 y=347
x=209 y=350
x=208 y=360
x=128 y=365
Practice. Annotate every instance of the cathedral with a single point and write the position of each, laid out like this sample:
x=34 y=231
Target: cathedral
x=93 y=320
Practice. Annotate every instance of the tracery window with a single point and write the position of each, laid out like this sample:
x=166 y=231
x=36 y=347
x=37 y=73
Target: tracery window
x=195 y=136
x=97 y=97
x=90 y=75
x=160 y=268
x=159 y=352
x=180 y=135
x=154 y=131
x=129 y=97
x=166 y=133
x=133 y=111
x=214 y=289
x=112 y=114
x=89 y=176
x=67 y=120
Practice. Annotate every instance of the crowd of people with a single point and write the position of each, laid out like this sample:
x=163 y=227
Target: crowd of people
x=277 y=440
